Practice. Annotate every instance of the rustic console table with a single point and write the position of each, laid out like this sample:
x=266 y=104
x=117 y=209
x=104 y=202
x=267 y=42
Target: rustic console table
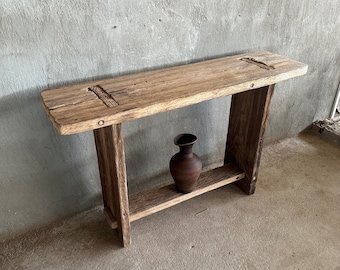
x=102 y=106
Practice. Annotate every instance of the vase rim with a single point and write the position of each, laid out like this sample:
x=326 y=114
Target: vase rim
x=185 y=139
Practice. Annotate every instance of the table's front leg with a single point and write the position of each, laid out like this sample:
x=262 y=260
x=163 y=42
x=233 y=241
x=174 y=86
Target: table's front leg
x=112 y=168
x=247 y=122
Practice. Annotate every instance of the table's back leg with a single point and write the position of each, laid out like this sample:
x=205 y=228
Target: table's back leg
x=112 y=168
x=247 y=121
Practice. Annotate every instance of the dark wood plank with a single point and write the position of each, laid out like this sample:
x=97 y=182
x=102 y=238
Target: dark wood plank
x=111 y=161
x=104 y=169
x=247 y=122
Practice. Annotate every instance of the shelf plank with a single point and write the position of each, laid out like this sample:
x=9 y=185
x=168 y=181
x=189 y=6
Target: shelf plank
x=92 y=105
x=157 y=199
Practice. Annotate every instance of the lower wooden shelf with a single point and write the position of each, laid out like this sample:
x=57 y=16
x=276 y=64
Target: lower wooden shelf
x=160 y=198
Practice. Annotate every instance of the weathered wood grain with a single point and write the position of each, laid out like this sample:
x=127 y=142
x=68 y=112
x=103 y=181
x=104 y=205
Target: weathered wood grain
x=111 y=161
x=75 y=108
x=103 y=105
x=247 y=122
x=160 y=198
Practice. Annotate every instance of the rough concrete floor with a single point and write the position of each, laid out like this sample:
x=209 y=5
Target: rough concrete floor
x=291 y=222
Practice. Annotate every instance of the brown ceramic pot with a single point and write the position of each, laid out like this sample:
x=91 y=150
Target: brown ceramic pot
x=185 y=166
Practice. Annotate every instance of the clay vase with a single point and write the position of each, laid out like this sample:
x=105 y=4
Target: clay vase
x=185 y=166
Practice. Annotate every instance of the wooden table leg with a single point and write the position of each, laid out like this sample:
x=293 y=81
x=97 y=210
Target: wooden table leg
x=247 y=121
x=112 y=169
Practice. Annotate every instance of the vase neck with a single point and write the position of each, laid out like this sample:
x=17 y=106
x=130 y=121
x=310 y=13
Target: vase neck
x=186 y=150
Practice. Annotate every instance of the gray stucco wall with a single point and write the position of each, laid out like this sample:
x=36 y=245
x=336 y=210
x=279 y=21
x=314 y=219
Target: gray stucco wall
x=44 y=44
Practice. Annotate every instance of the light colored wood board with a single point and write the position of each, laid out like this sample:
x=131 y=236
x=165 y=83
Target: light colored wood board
x=157 y=199
x=75 y=109
x=247 y=123
x=114 y=135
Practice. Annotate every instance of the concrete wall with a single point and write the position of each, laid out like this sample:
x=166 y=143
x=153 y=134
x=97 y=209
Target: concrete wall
x=44 y=44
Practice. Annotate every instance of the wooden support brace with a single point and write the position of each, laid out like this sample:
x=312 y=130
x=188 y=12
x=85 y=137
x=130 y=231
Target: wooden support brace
x=247 y=122
x=112 y=169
